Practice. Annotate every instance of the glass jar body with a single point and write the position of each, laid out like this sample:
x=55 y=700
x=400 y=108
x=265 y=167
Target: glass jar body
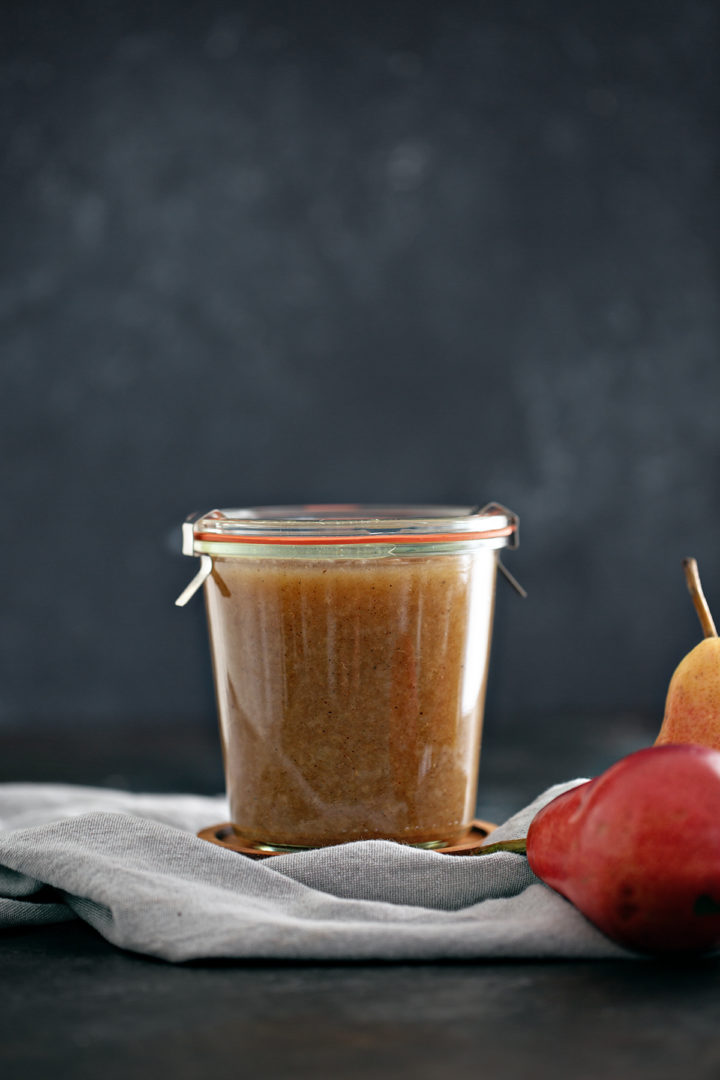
x=350 y=692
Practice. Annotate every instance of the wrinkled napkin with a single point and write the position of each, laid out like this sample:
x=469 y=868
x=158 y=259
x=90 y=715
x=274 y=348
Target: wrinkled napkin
x=132 y=867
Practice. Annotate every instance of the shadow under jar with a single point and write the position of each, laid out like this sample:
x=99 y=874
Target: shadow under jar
x=350 y=650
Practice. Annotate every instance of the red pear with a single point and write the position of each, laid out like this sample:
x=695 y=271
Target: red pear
x=637 y=850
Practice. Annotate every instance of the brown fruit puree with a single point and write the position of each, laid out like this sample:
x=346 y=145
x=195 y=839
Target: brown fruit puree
x=350 y=694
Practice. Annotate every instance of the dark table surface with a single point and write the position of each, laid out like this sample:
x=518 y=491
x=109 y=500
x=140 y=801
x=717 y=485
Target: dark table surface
x=75 y=1006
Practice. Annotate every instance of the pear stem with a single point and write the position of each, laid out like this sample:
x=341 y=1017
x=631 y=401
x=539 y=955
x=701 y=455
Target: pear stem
x=517 y=847
x=692 y=578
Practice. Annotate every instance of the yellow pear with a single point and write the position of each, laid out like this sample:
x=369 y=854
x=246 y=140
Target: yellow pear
x=692 y=707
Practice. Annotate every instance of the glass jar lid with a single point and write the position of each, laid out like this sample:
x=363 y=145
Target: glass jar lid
x=344 y=531
x=227 y=532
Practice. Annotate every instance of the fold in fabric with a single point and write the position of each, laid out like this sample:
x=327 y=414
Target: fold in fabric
x=132 y=868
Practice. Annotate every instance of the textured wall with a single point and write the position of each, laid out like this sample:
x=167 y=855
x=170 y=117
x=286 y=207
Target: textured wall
x=274 y=252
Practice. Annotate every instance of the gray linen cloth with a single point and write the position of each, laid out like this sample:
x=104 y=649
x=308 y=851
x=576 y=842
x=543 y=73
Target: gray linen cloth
x=132 y=867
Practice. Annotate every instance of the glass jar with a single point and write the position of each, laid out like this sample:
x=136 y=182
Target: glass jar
x=350 y=650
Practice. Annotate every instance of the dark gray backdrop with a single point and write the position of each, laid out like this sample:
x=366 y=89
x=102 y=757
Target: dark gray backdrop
x=268 y=252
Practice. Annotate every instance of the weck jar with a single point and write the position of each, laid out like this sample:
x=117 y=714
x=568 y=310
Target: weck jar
x=350 y=649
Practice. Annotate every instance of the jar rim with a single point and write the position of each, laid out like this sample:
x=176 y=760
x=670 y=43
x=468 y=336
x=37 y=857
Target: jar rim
x=349 y=523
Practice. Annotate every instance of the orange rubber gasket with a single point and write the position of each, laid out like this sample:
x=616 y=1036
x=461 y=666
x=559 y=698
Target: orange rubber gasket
x=424 y=538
